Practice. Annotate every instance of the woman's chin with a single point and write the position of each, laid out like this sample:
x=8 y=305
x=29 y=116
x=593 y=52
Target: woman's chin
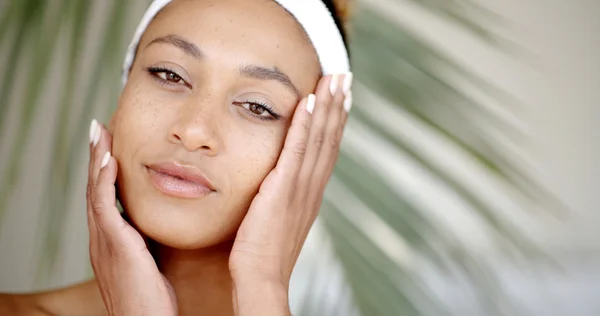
x=185 y=242
x=183 y=233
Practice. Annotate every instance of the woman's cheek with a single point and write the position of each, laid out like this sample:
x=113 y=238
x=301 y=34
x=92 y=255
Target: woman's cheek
x=133 y=124
x=266 y=151
x=117 y=125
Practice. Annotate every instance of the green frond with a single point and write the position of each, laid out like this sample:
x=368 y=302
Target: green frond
x=378 y=236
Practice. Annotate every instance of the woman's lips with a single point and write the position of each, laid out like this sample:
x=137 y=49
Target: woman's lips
x=179 y=180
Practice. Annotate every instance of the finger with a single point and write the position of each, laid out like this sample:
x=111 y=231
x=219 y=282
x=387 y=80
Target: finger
x=342 y=102
x=95 y=133
x=90 y=217
x=294 y=149
x=104 y=207
x=346 y=87
x=100 y=141
x=103 y=145
x=316 y=137
x=348 y=102
x=329 y=151
x=347 y=106
x=113 y=232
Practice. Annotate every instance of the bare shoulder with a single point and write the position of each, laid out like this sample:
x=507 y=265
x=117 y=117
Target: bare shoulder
x=81 y=299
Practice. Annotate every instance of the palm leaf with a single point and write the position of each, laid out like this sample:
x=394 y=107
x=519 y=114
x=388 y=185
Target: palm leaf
x=406 y=75
x=61 y=175
x=373 y=231
x=44 y=41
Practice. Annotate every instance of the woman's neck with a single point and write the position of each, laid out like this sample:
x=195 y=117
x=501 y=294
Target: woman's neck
x=200 y=278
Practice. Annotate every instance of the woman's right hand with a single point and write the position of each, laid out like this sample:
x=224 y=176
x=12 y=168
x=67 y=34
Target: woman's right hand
x=127 y=276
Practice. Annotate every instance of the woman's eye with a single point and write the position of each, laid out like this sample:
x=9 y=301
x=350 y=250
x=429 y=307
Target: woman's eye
x=166 y=75
x=257 y=109
x=169 y=76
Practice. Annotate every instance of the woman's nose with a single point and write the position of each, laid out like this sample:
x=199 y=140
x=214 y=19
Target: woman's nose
x=196 y=130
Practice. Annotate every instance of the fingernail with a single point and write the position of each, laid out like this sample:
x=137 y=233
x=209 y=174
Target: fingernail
x=347 y=82
x=348 y=101
x=310 y=103
x=333 y=84
x=93 y=130
x=97 y=134
x=105 y=160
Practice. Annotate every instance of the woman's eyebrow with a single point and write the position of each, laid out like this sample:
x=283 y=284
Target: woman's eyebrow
x=181 y=43
x=264 y=73
x=251 y=71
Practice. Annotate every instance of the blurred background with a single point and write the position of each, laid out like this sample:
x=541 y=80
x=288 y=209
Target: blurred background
x=467 y=183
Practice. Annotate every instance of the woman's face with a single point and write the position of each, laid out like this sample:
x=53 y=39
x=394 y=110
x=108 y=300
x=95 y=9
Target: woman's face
x=211 y=94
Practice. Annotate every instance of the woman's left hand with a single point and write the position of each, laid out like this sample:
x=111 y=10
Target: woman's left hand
x=273 y=232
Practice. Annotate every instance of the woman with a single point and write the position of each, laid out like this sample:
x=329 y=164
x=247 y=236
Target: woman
x=219 y=152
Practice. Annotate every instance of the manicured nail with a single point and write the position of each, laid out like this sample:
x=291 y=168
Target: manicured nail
x=105 y=160
x=310 y=103
x=348 y=101
x=97 y=134
x=93 y=130
x=347 y=82
x=333 y=84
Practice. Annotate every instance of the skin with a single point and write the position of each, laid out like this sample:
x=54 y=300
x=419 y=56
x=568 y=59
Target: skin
x=230 y=252
x=202 y=124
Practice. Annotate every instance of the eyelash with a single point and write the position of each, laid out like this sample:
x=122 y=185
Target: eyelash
x=154 y=71
x=265 y=106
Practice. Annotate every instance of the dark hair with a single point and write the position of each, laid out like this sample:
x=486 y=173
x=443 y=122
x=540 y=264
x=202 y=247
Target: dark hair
x=338 y=10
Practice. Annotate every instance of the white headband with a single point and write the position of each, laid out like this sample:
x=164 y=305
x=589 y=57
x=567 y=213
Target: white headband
x=313 y=15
